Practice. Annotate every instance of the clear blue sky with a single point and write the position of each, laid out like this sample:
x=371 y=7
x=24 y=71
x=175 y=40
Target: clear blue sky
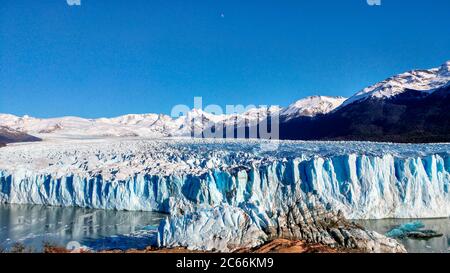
x=111 y=57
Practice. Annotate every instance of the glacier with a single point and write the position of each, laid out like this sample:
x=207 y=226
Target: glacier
x=363 y=186
x=240 y=192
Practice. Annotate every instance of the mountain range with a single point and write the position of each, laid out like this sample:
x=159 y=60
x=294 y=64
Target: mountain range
x=409 y=107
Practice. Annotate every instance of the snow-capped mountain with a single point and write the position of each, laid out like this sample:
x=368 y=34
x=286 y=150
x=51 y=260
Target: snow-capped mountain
x=75 y=126
x=410 y=107
x=154 y=125
x=8 y=135
x=337 y=117
x=312 y=106
x=419 y=80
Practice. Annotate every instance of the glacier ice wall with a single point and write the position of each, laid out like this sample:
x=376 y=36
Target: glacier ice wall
x=222 y=228
x=361 y=186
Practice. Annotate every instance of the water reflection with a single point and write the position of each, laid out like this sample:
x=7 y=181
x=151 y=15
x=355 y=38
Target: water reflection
x=434 y=245
x=34 y=225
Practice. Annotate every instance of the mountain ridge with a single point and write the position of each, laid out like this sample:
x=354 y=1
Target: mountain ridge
x=159 y=125
x=409 y=117
x=408 y=107
x=8 y=135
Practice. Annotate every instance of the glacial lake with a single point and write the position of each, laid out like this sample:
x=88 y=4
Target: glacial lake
x=33 y=226
x=434 y=245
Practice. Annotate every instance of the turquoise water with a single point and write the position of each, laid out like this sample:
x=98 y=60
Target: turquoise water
x=33 y=226
x=434 y=245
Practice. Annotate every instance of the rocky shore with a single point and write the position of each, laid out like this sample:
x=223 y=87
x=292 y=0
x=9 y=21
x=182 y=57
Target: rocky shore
x=275 y=246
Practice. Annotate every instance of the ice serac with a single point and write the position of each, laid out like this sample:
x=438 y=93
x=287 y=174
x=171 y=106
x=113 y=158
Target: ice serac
x=224 y=228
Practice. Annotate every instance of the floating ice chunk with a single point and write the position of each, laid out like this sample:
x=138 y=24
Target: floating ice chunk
x=402 y=230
